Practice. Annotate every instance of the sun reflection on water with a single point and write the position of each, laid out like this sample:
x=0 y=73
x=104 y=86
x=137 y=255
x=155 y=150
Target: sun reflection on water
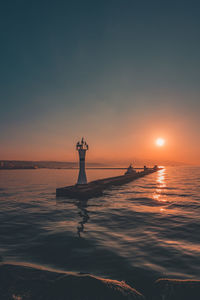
x=160 y=186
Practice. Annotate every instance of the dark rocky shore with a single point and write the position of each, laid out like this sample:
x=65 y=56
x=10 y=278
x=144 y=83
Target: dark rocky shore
x=18 y=282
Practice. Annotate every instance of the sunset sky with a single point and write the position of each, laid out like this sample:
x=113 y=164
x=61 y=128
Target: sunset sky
x=120 y=73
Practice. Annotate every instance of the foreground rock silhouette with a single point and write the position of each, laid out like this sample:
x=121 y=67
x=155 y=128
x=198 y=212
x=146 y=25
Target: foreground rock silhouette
x=32 y=282
x=26 y=283
x=174 y=289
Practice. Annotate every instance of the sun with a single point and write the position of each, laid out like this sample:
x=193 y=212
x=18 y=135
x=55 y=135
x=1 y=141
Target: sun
x=160 y=142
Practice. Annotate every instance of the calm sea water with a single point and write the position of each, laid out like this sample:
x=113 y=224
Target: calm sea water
x=145 y=229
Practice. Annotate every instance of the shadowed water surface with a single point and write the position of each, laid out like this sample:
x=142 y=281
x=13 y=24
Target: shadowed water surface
x=145 y=229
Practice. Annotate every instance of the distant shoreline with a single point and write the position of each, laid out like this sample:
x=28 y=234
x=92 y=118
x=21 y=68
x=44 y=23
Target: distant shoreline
x=75 y=168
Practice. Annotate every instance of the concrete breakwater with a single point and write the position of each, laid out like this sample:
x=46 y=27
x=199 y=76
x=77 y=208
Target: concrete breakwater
x=97 y=187
x=31 y=282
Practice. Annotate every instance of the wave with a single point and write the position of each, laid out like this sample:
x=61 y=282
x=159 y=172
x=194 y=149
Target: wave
x=29 y=281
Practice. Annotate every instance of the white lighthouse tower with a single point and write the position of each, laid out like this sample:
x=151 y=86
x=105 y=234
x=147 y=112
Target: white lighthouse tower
x=82 y=147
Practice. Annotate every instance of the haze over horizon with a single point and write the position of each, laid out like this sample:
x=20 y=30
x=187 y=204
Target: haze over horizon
x=119 y=73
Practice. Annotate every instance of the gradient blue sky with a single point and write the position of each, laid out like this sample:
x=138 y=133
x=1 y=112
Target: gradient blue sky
x=121 y=73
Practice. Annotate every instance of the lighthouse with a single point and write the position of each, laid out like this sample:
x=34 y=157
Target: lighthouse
x=82 y=147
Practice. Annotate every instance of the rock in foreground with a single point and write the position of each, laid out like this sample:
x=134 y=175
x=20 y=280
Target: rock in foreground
x=172 y=289
x=27 y=283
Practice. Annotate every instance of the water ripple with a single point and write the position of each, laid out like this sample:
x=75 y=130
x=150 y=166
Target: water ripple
x=150 y=226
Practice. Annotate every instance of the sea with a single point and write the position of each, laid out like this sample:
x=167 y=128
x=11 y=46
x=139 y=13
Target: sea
x=138 y=232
